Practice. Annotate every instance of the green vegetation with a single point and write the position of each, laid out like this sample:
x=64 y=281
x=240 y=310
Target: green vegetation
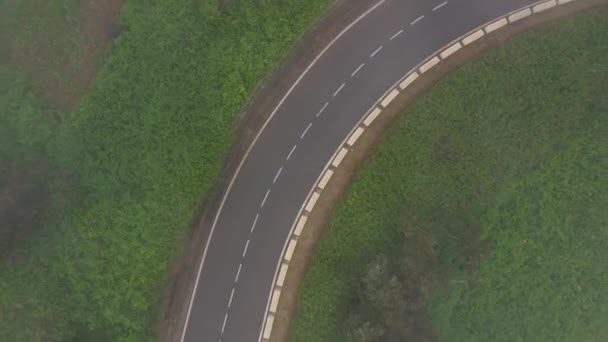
x=118 y=178
x=481 y=214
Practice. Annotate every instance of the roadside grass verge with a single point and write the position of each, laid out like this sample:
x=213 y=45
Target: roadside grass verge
x=130 y=164
x=515 y=141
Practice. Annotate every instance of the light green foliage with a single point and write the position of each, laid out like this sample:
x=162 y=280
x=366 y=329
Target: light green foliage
x=517 y=142
x=140 y=152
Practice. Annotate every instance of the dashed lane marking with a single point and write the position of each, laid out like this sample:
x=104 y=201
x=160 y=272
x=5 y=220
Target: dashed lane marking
x=224 y=325
x=238 y=273
x=253 y=225
x=265 y=198
x=417 y=20
x=291 y=152
x=439 y=6
x=322 y=109
x=277 y=175
x=245 y=249
x=396 y=34
x=231 y=297
x=357 y=70
x=339 y=90
x=376 y=52
x=305 y=131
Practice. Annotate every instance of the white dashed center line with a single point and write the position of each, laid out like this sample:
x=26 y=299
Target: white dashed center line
x=439 y=6
x=305 y=131
x=322 y=109
x=291 y=152
x=277 y=175
x=417 y=20
x=357 y=70
x=339 y=90
x=253 y=225
x=224 y=325
x=265 y=198
x=375 y=52
x=396 y=34
x=245 y=249
x=231 y=296
x=238 y=273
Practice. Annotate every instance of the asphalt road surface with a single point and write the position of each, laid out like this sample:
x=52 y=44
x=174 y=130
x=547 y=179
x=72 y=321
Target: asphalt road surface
x=247 y=240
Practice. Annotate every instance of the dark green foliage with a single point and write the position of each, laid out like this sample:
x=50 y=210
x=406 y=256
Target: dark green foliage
x=136 y=157
x=506 y=160
x=388 y=305
x=391 y=301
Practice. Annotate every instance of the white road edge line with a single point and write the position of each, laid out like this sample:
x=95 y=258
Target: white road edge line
x=396 y=35
x=291 y=152
x=277 y=175
x=305 y=131
x=265 y=198
x=253 y=227
x=245 y=249
x=375 y=52
x=439 y=6
x=257 y=136
x=322 y=109
x=417 y=20
x=357 y=70
x=339 y=89
x=238 y=273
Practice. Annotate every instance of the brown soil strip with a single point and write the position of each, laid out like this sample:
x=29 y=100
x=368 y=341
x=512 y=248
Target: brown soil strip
x=336 y=189
x=63 y=75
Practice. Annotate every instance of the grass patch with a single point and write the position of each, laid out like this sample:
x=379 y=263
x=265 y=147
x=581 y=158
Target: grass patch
x=129 y=165
x=513 y=143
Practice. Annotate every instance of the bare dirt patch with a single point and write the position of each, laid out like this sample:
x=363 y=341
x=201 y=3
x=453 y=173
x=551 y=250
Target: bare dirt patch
x=58 y=49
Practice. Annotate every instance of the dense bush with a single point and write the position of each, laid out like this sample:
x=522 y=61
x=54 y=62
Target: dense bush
x=393 y=294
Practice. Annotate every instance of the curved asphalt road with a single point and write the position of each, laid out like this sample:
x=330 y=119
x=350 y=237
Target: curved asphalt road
x=283 y=165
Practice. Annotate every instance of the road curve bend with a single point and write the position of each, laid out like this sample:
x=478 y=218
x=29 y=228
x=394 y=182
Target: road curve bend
x=285 y=161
